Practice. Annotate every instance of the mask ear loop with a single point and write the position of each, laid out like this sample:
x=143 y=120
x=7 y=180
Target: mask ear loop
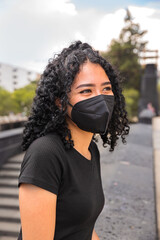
x=70 y=104
x=72 y=107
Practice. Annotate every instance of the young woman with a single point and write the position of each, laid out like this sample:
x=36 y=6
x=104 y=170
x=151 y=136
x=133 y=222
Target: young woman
x=60 y=191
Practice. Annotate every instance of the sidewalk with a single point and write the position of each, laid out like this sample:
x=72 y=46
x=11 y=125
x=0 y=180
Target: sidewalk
x=156 y=154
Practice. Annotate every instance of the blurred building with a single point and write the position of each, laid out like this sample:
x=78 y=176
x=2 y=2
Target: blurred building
x=12 y=77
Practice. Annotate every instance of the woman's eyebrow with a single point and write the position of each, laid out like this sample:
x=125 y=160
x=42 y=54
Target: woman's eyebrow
x=92 y=85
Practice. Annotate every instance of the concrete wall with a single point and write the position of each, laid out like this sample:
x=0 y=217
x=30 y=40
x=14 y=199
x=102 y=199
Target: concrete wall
x=10 y=143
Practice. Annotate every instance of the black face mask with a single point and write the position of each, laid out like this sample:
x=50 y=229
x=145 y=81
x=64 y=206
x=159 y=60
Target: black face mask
x=93 y=114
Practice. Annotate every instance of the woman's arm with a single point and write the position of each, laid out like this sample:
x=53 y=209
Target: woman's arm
x=95 y=236
x=38 y=212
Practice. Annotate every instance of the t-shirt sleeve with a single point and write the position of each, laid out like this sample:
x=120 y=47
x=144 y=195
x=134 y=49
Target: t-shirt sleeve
x=41 y=166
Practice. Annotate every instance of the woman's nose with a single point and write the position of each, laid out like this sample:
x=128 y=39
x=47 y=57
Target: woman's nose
x=98 y=92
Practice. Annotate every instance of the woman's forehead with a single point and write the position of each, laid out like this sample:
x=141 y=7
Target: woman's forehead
x=90 y=73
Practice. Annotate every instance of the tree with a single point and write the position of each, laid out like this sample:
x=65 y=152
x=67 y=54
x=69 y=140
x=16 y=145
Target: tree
x=124 y=52
x=23 y=97
x=7 y=104
x=132 y=34
x=131 y=96
x=124 y=55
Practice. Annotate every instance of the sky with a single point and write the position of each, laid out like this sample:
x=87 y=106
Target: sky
x=32 y=31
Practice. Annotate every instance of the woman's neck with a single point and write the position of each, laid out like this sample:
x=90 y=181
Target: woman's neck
x=82 y=139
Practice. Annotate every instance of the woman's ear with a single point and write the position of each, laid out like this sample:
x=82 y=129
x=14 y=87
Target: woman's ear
x=58 y=102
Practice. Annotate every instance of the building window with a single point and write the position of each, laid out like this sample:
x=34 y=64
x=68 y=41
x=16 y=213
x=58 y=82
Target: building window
x=14 y=82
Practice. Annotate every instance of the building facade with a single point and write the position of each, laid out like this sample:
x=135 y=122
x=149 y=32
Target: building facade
x=13 y=77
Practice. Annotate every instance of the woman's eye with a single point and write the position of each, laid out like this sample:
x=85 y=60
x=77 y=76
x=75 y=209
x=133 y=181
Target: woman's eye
x=86 y=91
x=108 y=88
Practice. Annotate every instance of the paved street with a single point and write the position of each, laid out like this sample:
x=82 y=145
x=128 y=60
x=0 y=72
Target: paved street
x=128 y=183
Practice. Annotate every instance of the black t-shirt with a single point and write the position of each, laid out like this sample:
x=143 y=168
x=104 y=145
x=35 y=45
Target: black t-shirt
x=75 y=179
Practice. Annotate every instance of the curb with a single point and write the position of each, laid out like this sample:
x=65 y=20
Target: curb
x=156 y=156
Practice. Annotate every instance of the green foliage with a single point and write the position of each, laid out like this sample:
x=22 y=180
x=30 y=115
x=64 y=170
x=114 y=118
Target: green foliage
x=131 y=97
x=7 y=104
x=23 y=97
x=19 y=101
x=122 y=56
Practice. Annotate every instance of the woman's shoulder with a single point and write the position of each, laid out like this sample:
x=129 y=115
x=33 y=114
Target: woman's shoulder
x=42 y=164
x=45 y=152
x=48 y=142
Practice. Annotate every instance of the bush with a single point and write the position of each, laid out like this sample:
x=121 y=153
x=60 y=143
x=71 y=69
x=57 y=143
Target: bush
x=7 y=104
x=132 y=97
x=23 y=97
x=18 y=101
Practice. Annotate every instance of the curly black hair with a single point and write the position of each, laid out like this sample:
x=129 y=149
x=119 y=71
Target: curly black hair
x=55 y=83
